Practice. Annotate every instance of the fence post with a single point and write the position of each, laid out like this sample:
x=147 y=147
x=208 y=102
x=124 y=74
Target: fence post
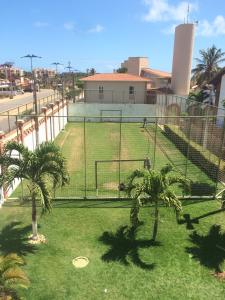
x=85 y=162
x=50 y=118
x=39 y=104
x=205 y=133
x=219 y=162
x=155 y=142
x=9 y=122
x=53 y=120
x=96 y=178
x=188 y=147
x=120 y=154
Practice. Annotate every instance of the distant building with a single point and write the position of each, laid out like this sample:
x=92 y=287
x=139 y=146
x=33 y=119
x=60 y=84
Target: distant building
x=140 y=66
x=115 y=88
x=42 y=73
x=134 y=65
x=159 y=79
x=11 y=72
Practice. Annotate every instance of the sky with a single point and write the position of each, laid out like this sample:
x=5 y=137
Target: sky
x=103 y=33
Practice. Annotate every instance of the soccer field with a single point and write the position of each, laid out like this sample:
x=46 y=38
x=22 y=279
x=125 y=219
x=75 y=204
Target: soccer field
x=84 y=144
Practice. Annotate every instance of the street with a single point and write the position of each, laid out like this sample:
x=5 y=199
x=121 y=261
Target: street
x=25 y=102
x=6 y=104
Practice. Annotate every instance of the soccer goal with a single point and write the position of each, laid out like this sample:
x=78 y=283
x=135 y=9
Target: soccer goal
x=110 y=115
x=122 y=168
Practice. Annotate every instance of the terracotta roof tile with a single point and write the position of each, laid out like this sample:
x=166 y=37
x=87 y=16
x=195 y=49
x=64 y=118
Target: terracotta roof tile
x=157 y=72
x=114 y=77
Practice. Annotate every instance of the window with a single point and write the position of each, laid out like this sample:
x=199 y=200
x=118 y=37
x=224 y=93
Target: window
x=131 y=90
x=100 y=89
x=101 y=92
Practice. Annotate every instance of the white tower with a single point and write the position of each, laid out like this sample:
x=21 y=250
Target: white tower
x=182 y=58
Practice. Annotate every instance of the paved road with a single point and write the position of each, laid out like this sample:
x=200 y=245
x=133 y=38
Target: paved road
x=6 y=104
x=8 y=120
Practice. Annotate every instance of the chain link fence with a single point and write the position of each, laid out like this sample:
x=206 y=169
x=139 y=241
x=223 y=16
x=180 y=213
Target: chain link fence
x=103 y=150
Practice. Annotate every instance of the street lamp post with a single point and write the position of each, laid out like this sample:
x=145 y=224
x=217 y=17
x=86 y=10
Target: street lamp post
x=74 y=79
x=69 y=67
x=56 y=64
x=35 y=104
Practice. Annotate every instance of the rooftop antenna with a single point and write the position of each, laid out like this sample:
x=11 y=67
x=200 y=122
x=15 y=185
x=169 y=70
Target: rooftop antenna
x=69 y=67
x=188 y=12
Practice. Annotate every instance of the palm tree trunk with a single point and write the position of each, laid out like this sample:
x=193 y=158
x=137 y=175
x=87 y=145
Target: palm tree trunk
x=134 y=216
x=223 y=204
x=155 y=228
x=34 y=216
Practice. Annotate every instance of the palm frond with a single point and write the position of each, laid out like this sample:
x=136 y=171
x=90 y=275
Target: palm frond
x=170 y=199
x=15 y=276
x=15 y=146
x=10 y=175
x=178 y=179
x=45 y=194
x=166 y=169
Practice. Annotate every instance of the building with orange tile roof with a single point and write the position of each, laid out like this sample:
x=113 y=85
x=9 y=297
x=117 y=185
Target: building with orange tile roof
x=115 y=88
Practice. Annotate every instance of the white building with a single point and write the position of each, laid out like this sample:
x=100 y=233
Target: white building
x=115 y=88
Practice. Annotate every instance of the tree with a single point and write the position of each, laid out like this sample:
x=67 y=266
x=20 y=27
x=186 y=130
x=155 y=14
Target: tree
x=208 y=65
x=44 y=169
x=11 y=276
x=121 y=70
x=150 y=186
x=92 y=71
x=80 y=84
x=196 y=97
x=223 y=200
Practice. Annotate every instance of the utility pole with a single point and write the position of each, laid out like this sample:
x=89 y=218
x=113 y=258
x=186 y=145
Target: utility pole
x=69 y=67
x=35 y=104
x=56 y=64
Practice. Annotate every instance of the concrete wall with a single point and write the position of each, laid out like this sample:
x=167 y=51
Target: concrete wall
x=182 y=58
x=132 y=112
x=50 y=124
x=114 y=92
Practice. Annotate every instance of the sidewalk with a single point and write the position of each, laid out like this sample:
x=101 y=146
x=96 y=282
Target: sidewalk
x=17 y=97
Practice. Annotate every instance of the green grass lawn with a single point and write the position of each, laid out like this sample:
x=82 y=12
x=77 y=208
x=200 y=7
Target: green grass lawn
x=122 y=266
x=179 y=266
x=102 y=142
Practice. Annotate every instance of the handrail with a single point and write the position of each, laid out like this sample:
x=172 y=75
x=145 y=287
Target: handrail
x=22 y=105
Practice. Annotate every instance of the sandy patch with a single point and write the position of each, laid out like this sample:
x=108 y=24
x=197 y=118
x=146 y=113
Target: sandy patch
x=111 y=185
x=39 y=240
x=114 y=136
x=64 y=138
x=76 y=151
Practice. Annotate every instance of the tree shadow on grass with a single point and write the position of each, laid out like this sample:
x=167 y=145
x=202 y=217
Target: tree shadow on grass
x=209 y=249
x=123 y=245
x=190 y=221
x=14 y=239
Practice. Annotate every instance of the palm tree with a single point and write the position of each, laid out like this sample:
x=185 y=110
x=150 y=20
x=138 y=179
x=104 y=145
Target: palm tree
x=11 y=276
x=44 y=169
x=196 y=97
x=208 y=65
x=150 y=186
